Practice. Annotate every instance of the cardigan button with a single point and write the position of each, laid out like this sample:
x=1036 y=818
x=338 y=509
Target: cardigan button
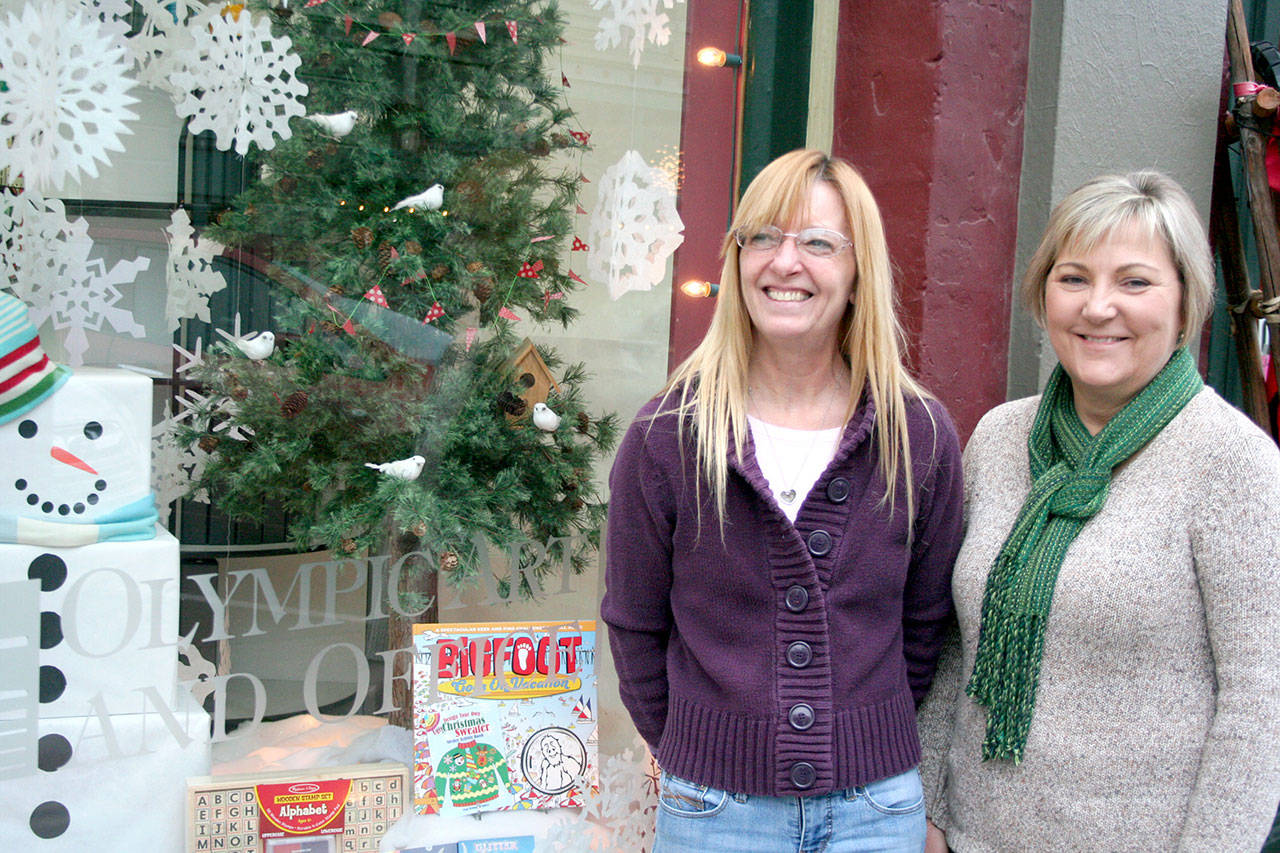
x=803 y=775
x=797 y=598
x=799 y=654
x=819 y=543
x=838 y=490
x=801 y=717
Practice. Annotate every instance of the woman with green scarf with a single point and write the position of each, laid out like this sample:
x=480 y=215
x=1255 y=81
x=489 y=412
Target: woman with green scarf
x=1115 y=684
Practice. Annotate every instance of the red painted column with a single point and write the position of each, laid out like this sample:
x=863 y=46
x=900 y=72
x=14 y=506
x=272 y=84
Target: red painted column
x=708 y=142
x=929 y=106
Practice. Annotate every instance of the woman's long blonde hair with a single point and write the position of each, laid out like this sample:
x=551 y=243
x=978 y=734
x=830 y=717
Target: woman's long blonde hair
x=711 y=384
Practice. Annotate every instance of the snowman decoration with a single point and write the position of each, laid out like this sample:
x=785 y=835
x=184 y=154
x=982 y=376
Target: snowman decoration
x=77 y=463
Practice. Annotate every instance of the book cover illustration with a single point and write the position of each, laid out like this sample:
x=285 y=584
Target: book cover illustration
x=504 y=716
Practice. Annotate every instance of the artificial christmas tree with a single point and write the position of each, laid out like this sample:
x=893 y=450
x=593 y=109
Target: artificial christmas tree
x=413 y=220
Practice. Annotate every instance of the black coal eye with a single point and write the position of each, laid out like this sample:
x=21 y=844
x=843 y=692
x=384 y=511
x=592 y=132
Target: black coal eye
x=27 y=429
x=92 y=430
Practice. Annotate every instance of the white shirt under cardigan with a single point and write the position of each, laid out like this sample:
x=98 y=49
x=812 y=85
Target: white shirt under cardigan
x=1157 y=719
x=792 y=460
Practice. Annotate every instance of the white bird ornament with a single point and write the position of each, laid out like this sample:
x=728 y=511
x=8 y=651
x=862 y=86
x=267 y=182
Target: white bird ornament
x=257 y=346
x=431 y=199
x=544 y=418
x=401 y=469
x=336 y=125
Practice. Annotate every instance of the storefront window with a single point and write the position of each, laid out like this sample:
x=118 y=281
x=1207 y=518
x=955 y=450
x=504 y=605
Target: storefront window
x=394 y=276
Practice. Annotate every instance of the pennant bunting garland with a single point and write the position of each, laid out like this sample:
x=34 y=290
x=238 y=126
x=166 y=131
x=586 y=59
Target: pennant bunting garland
x=581 y=135
x=573 y=275
x=408 y=38
x=311 y=3
x=540 y=239
x=472 y=331
x=582 y=210
x=547 y=296
x=480 y=30
x=370 y=37
x=395 y=256
x=579 y=246
x=435 y=313
x=507 y=314
x=452 y=39
x=346 y=22
x=564 y=81
x=347 y=325
x=583 y=178
x=511 y=28
x=411 y=279
x=375 y=296
x=530 y=270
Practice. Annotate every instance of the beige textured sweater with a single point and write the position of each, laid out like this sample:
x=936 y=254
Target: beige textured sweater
x=1157 y=720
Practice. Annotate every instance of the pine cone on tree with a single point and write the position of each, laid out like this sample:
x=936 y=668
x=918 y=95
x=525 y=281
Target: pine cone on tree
x=208 y=443
x=483 y=289
x=439 y=271
x=511 y=404
x=448 y=561
x=362 y=236
x=584 y=423
x=412 y=247
x=386 y=254
x=294 y=404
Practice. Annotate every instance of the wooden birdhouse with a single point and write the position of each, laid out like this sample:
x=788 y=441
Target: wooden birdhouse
x=533 y=378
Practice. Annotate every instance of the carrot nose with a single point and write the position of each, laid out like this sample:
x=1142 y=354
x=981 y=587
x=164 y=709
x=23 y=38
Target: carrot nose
x=71 y=459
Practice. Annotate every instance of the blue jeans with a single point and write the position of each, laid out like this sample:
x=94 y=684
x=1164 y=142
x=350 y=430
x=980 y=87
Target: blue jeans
x=885 y=816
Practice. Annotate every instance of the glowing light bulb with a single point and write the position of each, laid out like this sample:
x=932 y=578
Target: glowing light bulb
x=714 y=57
x=699 y=289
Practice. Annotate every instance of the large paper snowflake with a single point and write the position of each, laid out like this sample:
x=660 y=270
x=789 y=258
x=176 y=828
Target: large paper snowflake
x=189 y=276
x=174 y=467
x=45 y=261
x=165 y=33
x=643 y=17
x=635 y=226
x=34 y=234
x=239 y=82
x=65 y=99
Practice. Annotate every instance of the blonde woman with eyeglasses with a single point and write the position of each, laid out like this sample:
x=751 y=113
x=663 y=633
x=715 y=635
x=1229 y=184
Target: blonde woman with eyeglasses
x=783 y=520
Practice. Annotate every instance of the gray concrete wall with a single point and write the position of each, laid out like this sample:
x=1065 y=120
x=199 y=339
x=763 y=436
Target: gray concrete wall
x=1112 y=87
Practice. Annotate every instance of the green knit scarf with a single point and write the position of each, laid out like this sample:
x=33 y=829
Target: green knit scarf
x=1071 y=473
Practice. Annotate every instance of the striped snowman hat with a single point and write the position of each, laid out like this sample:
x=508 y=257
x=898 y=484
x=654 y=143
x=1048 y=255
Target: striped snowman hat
x=27 y=376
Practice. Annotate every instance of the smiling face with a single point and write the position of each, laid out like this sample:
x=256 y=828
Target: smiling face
x=793 y=298
x=1113 y=314
x=81 y=454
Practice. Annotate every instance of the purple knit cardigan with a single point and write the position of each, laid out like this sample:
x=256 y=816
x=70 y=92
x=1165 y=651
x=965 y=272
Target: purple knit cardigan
x=785 y=659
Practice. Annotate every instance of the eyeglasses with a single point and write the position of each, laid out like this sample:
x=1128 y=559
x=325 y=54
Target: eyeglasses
x=816 y=242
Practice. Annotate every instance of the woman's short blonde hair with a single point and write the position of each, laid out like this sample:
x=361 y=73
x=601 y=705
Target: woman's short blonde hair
x=1149 y=200
x=711 y=384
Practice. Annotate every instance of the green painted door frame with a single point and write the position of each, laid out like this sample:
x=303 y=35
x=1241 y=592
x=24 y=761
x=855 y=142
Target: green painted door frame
x=776 y=91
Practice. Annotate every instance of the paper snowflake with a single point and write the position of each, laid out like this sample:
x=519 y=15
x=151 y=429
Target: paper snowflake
x=111 y=15
x=65 y=100
x=174 y=467
x=620 y=816
x=34 y=234
x=45 y=261
x=239 y=82
x=635 y=226
x=166 y=33
x=643 y=17
x=218 y=411
x=190 y=277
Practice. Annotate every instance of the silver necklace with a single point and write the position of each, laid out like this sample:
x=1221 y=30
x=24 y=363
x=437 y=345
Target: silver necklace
x=788 y=495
